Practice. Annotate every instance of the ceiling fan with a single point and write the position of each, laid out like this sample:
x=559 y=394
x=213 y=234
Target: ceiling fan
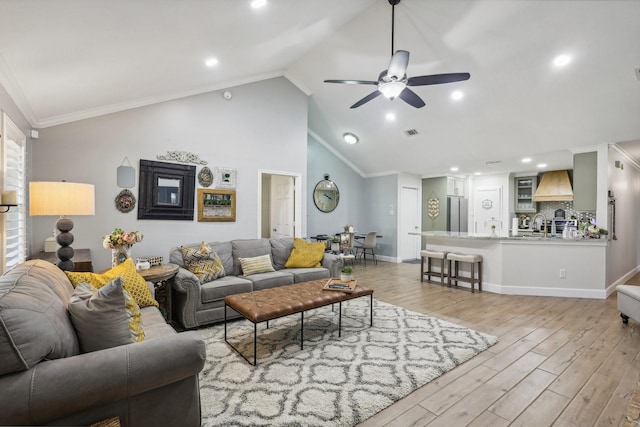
x=393 y=82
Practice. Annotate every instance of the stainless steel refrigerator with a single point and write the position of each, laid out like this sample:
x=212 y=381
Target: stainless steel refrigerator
x=457 y=214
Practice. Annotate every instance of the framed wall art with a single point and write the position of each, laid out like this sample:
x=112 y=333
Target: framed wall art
x=166 y=191
x=216 y=205
x=225 y=178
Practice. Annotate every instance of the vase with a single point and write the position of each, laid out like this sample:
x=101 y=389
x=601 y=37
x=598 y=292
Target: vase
x=120 y=255
x=346 y=277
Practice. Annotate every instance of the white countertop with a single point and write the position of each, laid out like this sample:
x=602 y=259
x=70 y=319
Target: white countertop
x=476 y=236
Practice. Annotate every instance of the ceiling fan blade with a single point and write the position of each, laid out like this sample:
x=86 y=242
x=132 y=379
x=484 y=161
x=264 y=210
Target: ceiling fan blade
x=366 y=99
x=436 y=79
x=410 y=97
x=398 y=65
x=353 y=82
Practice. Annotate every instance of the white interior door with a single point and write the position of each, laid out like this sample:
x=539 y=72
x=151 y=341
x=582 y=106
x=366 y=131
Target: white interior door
x=487 y=210
x=282 y=206
x=409 y=223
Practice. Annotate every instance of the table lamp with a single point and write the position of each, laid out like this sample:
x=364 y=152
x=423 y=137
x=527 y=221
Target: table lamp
x=62 y=198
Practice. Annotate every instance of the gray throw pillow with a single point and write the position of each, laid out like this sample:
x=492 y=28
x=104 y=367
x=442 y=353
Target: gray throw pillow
x=105 y=317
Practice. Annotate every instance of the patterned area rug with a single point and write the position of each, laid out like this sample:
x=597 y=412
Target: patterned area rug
x=332 y=381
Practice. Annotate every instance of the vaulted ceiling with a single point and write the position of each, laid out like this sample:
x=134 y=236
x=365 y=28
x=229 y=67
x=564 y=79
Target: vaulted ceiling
x=64 y=60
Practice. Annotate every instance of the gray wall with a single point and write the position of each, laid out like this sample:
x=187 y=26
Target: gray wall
x=380 y=212
x=321 y=161
x=437 y=188
x=264 y=126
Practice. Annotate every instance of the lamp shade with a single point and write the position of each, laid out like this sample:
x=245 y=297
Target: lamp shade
x=61 y=198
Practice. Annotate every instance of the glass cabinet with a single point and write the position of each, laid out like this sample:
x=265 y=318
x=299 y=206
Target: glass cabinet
x=525 y=188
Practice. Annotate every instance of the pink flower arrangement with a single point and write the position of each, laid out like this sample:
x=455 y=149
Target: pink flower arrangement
x=121 y=239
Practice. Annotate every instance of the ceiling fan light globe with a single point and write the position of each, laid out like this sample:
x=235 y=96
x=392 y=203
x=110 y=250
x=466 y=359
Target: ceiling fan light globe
x=392 y=89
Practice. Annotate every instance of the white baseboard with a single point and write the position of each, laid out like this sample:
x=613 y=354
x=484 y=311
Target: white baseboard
x=541 y=291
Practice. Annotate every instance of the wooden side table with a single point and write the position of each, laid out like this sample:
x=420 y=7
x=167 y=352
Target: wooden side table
x=162 y=278
x=81 y=259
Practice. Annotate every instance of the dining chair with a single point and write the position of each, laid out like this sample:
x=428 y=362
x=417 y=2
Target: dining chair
x=370 y=244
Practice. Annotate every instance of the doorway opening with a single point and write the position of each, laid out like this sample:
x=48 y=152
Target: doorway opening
x=279 y=204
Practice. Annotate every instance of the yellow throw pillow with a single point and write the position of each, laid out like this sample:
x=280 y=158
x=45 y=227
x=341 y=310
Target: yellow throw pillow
x=255 y=265
x=204 y=262
x=305 y=254
x=133 y=282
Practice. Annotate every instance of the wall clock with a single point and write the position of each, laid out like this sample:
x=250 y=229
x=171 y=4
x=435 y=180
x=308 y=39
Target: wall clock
x=326 y=195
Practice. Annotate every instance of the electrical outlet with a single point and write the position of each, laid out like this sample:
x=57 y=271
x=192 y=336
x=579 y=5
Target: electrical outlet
x=563 y=273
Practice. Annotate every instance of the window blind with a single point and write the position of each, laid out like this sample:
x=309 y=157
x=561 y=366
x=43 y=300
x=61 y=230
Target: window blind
x=14 y=236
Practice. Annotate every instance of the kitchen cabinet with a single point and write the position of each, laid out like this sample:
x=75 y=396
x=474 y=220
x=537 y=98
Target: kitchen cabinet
x=585 y=179
x=455 y=186
x=525 y=188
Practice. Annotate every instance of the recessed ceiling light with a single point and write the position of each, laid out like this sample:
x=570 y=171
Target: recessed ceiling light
x=454 y=169
x=561 y=60
x=211 y=62
x=390 y=116
x=457 y=95
x=478 y=173
x=257 y=4
x=542 y=165
x=350 y=138
x=526 y=160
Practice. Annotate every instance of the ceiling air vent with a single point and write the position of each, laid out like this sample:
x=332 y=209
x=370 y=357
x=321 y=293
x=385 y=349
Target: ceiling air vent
x=492 y=162
x=411 y=132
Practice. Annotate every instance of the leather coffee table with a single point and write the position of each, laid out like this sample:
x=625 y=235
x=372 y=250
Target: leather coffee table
x=269 y=304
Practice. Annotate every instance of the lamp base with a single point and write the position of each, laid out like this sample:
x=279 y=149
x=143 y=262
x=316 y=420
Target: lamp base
x=65 y=239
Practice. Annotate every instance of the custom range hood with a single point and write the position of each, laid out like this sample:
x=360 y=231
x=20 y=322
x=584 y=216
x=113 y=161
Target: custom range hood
x=554 y=187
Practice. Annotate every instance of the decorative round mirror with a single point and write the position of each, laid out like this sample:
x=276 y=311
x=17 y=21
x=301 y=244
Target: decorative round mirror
x=326 y=195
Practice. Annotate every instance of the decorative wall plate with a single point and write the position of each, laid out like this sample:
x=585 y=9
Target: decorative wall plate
x=125 y=201
x=205 y=177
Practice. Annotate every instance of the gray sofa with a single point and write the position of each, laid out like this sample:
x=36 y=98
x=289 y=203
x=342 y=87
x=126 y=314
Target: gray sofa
x=44 y=380
x=196 y=304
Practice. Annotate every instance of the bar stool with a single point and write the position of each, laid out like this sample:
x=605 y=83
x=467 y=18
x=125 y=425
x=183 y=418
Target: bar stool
x=428 y=256
x=472 y=259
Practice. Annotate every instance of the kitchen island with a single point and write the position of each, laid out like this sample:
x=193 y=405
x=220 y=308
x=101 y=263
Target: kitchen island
x=532 y=265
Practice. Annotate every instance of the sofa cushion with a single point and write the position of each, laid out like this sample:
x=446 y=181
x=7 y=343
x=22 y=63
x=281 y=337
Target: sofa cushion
x=305 y=254
x=248 y=248
x=218 y=289
x=308 y=274
x=255 y=265
x=280 y=251
x=271 y=280
x=34 y=324
x=133 y=282
x=105 y=317
x=203 y=262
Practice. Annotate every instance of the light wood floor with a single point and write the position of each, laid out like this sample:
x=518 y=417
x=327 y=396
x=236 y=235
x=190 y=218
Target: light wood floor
x=566 y=362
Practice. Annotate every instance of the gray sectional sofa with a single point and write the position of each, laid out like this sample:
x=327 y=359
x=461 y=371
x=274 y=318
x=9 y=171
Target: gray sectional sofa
x=45 y=380
x=196 y=304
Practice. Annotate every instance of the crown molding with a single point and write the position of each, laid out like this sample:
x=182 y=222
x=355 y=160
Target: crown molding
x=11 y=85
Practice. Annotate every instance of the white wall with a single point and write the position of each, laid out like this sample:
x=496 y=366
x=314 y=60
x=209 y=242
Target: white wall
x=623 y=257
x=492 y=181
x=264 y=126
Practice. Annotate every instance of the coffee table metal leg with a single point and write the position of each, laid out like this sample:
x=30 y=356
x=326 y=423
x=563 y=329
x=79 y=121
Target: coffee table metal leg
x=340 y=319
x=301 y=329
x=255 y=339
x=371 y=311
x=225 y=322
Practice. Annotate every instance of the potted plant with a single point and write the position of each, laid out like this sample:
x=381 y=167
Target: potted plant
x=346 y=274
x=335 y=244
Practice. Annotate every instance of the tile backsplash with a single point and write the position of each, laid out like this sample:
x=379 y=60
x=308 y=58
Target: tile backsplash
x=548 y=209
